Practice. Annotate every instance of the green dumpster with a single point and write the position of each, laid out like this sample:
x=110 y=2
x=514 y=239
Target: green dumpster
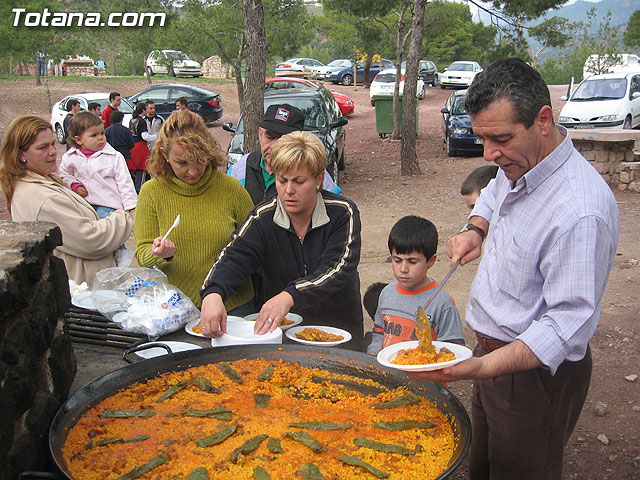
x=384 y=114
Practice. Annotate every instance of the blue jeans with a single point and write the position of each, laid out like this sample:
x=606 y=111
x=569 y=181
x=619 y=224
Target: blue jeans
x=104 y=212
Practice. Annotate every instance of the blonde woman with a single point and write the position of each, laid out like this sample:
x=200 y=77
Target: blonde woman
x=307 y=241
x=186 y=182
x=34 y=193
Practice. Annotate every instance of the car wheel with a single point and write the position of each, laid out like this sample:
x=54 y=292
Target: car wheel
x=343 y=160
x=347 y=80
x=451 y=152
x=60 y=134
x=149 y=72
x=334 y=171
x=373 y=103
x=442 y=87
x=423 y=93
x=627 y=123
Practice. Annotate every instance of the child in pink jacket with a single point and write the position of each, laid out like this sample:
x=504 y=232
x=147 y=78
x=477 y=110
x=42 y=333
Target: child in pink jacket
x=95 y=170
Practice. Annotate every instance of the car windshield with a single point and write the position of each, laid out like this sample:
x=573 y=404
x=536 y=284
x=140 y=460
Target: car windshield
x=339 y=63
x=461 y=67
x=601 y=89
x=176 y=55
x=314 y=115
x=458 y=107
x=385 y=78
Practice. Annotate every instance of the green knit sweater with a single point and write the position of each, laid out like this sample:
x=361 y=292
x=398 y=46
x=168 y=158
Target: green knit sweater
x=210 y=211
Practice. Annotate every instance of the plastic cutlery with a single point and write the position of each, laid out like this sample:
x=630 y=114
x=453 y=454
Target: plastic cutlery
x=176 y=222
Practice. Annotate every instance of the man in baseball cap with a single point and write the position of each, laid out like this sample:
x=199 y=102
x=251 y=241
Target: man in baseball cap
x=254 y=169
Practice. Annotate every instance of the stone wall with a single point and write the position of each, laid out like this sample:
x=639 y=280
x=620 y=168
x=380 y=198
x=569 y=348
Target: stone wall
x=37 y=364
x=614 y=161
x=213 y=67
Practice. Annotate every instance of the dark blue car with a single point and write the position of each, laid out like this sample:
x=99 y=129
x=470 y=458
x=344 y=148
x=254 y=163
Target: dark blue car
x=344 y=74
x=458 y=133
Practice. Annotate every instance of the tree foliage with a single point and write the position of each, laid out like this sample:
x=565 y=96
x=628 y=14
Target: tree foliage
x=631 y=36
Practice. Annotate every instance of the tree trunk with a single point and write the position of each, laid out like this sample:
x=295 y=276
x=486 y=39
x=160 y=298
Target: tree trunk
x=400 y=42
x=409 y=159
x=113 y=72
x=133 y=65
x=47 y=92
x=253 y=101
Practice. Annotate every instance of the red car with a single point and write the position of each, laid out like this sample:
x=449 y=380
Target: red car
x=346 y=105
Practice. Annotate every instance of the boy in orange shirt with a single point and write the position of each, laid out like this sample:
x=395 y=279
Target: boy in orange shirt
x=412 y=243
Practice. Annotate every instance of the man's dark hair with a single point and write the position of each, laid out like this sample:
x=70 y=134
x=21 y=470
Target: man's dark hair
x=93 y=105
x=371 y=296
x=478 y=179
x=71 y=104
x=413 y=234
x=149 y=102
x=117 y=116
x=182 y=100
x=513 y=79
x=113 y=95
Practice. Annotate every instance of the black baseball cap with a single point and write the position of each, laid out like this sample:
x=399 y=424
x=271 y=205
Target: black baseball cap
x=283 y=119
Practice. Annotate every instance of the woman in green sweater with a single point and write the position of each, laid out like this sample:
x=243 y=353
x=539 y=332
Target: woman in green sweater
x=211 y=205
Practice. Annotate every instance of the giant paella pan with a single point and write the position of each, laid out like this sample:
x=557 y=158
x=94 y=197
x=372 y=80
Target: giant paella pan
x=260 y=412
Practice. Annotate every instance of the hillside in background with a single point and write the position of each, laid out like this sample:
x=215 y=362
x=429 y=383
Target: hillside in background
x=620 y=10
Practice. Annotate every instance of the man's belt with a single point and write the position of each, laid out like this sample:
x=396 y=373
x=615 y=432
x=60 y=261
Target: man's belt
x=490 y=344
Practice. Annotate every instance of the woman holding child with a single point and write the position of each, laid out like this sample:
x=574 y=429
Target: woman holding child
x=34 y=193
x=306 y=240
x=211 y=205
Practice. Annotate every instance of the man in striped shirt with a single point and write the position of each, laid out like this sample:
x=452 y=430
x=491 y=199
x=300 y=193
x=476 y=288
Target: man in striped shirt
x=551 y=225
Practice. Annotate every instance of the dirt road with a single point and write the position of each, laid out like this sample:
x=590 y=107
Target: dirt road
x=606 y=442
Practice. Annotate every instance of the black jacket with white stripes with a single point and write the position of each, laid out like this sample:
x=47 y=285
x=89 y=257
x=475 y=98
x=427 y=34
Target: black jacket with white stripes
x=320 y=273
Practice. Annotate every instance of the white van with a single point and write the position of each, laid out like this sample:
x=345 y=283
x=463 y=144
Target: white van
x=599 y=64
x=611 y=100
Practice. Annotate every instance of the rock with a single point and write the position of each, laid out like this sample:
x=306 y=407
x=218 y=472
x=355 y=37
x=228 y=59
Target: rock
x=601 y=409
x=603 y=438
x=631 y=378
x=636 y=408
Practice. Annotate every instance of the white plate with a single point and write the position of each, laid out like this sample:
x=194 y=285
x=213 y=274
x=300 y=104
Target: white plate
x=297 y=319
x=83 y=300
x=291 y=333
x=194 y=323
x=174 y=346
x=386 y=355
x=241 y=333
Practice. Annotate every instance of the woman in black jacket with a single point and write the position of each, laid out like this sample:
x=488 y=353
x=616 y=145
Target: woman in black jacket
x=306 y=240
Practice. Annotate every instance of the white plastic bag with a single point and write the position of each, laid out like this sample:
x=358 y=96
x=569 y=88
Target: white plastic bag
x=141 y=300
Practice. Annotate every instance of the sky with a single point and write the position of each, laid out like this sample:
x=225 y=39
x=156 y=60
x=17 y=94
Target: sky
x=485 y=16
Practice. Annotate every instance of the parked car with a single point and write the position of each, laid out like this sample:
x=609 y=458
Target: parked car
x=322 y=118
x=385 y=82
x=339 y=63
x=297 y=66
x=427 y=71
x=204 y=102
x=59 y=111
x=610 y=100
x=173 y=63
x=345 y=103
x=344 y=74
x=458 y=133
x=459 y=74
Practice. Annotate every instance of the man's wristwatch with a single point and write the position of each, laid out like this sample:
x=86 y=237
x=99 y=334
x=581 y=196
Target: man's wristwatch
x=474 y=228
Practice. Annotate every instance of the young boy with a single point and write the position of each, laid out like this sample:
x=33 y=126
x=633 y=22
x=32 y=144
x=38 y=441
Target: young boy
x=476 y=181
x=412 y=243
